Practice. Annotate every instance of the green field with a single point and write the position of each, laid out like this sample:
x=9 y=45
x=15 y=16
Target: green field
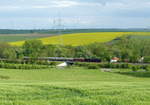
x=19 y=37
x=84 y=38
x=73 y=86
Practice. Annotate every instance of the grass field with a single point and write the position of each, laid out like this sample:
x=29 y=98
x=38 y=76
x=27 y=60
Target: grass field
x=20 y=37
x=73 y=86
x=83 y=38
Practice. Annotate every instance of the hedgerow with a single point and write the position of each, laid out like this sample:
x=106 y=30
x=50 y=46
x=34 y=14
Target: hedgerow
x=22 y=66
x=114 y=65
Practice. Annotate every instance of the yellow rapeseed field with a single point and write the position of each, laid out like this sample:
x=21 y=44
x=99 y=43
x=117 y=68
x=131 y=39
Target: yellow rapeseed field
x=83 y=38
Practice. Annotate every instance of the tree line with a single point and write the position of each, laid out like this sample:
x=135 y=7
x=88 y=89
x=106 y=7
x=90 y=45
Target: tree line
x=127 y=49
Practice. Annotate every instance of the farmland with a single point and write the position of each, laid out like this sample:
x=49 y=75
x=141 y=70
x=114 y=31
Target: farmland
x=84 y=38
x=72 y=86
x=18 y=37
x=42 y=83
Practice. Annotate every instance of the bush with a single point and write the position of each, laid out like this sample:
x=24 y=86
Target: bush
x=53 y=63
x=147 y=59
x=82 y=64
x=113 y=65
x=135 y=68
x=105 y=65
x=125 y=66
x=93 y=66
x=147 y=68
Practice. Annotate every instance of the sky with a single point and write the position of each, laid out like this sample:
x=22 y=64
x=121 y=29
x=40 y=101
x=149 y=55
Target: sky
x=46 y=14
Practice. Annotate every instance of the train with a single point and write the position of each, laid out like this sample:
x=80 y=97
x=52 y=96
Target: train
x=63 y=59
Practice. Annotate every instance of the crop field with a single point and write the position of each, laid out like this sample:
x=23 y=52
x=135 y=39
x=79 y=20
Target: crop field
x=83 y=38
x=73 y=86
x=19 y=37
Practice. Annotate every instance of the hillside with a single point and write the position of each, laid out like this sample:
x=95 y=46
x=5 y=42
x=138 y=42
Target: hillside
x=83 y=38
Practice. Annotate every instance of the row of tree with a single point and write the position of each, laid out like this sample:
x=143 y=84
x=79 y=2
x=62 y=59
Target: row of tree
x=126 y=48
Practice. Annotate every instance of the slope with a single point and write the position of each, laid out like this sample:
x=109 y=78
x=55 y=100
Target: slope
x=83 y=38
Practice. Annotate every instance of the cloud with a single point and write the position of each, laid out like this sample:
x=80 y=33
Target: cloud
x=38 y=4
x=94 y=13
x=9 y=7
x=64 y=3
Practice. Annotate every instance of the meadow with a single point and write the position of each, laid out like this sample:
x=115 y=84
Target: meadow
x=73 y=86
x=76 y=39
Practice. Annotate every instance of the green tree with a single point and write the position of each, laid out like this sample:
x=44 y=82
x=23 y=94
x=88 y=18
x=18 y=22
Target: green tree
x=7 y=51
x=33 y=48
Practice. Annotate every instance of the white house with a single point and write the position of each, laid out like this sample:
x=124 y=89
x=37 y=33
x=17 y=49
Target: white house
x=114 y=60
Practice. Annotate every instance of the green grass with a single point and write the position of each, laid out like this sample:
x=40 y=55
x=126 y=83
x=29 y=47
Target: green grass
x=72 y=86
x=76 y=39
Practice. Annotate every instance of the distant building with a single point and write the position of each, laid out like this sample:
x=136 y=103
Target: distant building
x=114 y=60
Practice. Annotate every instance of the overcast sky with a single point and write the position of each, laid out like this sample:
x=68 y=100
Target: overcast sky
x=40 y=14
